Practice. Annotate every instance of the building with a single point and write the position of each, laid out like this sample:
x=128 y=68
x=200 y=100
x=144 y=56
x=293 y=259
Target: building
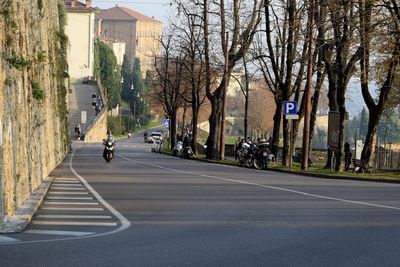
x=118 y=47
x=80 y=30
x=140 y=33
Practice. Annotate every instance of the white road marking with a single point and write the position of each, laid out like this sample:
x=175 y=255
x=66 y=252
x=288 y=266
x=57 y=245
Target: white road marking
x=52 y=232
x=53 y=216
x=74 y=185
x=66 y=188
x=6 y=239
x=51 y=208
x=66 y=182
x=69 y=203
x=69 y=198
x=66 y=178
x=67 y=223
x=68 y=193
x=266 y=186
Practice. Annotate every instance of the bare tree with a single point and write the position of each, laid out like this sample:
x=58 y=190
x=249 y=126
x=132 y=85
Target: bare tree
x=169 y=83
x=379 y=24
x=191 y=44
x=280 y=63
x=242 y=22
x=340 y=55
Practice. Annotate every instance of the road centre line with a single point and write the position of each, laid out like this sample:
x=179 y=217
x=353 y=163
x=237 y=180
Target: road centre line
x=267 y=186
x=68 y=223
x=53 y=232
x=69 y=203
x=85 y=209
x=56 y=216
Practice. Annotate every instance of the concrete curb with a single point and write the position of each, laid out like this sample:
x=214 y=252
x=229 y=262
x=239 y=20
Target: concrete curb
x=23 y=215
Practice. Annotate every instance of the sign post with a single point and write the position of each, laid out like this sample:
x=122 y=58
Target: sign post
x=333 y=135
x=290 y=112
x=83 y=117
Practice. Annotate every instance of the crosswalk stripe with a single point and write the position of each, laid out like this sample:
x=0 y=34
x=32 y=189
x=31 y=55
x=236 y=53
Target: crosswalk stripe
x=6 y=239
x=68 y=193
x=52 y=232
x=71 y=198
x=66 y=182
x=66 y=188
x=66 y=178
x=54 y=216
x=63 y=184
x=57 y=208
x=68 y=223
x=69 y=203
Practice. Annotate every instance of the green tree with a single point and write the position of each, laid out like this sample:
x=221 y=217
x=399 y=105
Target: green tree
x=137 y=95
x=109 y=73
x=126 y=73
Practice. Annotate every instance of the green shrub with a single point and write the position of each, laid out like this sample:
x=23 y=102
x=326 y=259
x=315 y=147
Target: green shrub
x=37 y=91
x=18 y=61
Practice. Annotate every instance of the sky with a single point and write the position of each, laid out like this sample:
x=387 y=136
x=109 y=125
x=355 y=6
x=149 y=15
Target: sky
x=159 y=9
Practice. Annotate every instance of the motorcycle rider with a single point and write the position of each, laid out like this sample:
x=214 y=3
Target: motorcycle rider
x=110 y=138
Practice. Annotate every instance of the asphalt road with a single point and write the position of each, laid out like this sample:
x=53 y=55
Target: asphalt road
x=156 y=210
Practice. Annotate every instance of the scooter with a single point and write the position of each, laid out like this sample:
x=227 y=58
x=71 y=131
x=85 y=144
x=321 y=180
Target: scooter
x=108 y=152
x=156 y=147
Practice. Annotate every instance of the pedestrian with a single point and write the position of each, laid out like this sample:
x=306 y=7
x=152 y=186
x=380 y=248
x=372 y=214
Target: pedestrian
x=236 y=147
x=77 y=131
x=347 y=156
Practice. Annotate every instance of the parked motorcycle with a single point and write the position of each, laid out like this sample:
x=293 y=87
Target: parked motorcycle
x=108 y=152
x=245 y=154
x=262 y=156
x=187 y=153
x=257 y=155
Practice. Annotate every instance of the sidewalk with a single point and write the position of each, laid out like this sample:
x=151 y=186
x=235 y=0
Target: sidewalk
x=80 y=99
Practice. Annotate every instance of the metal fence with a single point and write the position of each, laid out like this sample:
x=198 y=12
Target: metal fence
x=387 y=159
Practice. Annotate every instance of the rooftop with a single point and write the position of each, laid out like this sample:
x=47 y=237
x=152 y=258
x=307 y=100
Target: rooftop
x=124 y=13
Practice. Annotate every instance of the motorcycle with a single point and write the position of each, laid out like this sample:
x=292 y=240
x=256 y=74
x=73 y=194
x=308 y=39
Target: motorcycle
x=187 y=153
x=245 y=154
x=129 y=135
x=177 y=149
x=257 y=155
x=108 y=152
x=262 y=156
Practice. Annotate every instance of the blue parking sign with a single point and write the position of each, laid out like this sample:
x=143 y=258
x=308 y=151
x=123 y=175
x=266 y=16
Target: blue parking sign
x=289 y=107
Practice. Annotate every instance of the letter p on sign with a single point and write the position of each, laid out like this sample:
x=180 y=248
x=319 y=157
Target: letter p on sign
x=289 y=107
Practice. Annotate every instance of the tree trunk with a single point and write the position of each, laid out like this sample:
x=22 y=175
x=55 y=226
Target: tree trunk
x=195 y=114
x=246 y=113
x=277 y=125
x=373 y=122
x=173 y=130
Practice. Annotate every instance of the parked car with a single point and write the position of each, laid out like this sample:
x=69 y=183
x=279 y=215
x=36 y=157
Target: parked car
x=154 y=136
